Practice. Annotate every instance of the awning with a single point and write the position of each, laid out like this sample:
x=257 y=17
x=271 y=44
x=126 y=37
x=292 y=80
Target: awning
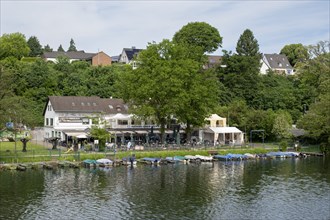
x=77 y=134
x=223 y=130
x=141 y=132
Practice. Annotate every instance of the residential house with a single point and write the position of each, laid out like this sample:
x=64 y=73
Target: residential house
x=127 y=56
x=212 y=61
x=276 y=62
x=95 y=59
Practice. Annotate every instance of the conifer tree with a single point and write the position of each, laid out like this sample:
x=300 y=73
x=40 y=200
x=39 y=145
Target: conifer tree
x=60 y=48
x=72 y=46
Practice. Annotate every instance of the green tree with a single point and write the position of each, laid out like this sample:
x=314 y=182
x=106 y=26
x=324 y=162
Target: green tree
x=282 y=125
x=13 y=45
x=167 y=82
x=60 y=48
x=241 y=77
x=100 y=134
x=199 y=34
x=260 y=120
x=35 y=46
x=72 y=46
x=295 y=53
x=317 y=122
x=47 y=48
x=247 y=45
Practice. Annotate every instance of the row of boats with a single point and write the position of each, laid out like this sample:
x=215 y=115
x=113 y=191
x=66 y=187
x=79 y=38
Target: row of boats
x=190 y=158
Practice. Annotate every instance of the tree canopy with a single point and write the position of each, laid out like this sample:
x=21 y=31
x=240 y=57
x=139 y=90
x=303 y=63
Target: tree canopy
x=199 y=34
x=13 y=45
x=168 y=83
x=35 y=46
x=295 y=53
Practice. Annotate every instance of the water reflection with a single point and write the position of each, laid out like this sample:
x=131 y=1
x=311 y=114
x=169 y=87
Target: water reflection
x=256 y=189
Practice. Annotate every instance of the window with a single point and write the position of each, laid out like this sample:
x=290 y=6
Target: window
x=47 y=121
x=122 y=122
x=49 y=108
x=51 y=122
x=85 y=121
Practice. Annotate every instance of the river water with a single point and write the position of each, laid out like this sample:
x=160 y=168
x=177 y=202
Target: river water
x=255 y=189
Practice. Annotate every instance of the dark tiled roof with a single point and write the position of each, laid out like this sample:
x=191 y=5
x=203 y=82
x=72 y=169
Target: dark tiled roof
x=88 y=104
x=131 y=52
x=278 y=61
x=79 y=55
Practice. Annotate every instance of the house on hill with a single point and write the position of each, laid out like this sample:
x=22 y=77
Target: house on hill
x=95 y=59
x=127 y=56
x=278 y=63
x=212 y=61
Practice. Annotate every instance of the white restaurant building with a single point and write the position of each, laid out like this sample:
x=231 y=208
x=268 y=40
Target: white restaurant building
x=67 y=117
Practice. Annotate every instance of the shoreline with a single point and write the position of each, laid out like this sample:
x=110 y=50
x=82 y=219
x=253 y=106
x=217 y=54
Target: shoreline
x=56 y=164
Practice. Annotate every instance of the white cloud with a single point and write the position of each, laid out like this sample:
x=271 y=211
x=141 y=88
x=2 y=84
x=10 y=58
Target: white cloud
x=113 y=25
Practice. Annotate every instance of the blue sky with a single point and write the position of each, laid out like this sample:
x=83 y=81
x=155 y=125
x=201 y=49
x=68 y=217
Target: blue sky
x=110 y=26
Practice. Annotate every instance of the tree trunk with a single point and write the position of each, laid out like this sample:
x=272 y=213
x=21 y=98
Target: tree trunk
x=24 y=141
x=54 y=142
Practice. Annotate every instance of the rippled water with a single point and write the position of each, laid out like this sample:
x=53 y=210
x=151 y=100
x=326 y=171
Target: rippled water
x=261 y=189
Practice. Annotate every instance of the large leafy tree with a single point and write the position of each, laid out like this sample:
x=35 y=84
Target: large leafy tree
x=282 y=125
x=168 y=83
x=13 y=45
x=295 y=53
x=199 y=34
x=317 y=122
x=72 y=46
x=35 y=46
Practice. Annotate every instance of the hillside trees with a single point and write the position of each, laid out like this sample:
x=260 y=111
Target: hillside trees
x=295 y=53
x=35 y=46
x=241 y=72
x=13 y=45
x=314 y=76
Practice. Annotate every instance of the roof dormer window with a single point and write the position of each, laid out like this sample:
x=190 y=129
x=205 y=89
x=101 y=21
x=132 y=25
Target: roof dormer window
x=73 y=104
x=82 y=104
x=110 y=106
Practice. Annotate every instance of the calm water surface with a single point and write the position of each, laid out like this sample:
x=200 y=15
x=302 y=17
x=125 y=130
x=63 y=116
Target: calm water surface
x=257 y=189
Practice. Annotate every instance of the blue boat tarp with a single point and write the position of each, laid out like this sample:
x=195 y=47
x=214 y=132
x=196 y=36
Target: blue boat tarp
x=221 y=157
x=230 y=157
x=175 y=158
x=89 y=161
x=236 y=156
x=151 y=159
